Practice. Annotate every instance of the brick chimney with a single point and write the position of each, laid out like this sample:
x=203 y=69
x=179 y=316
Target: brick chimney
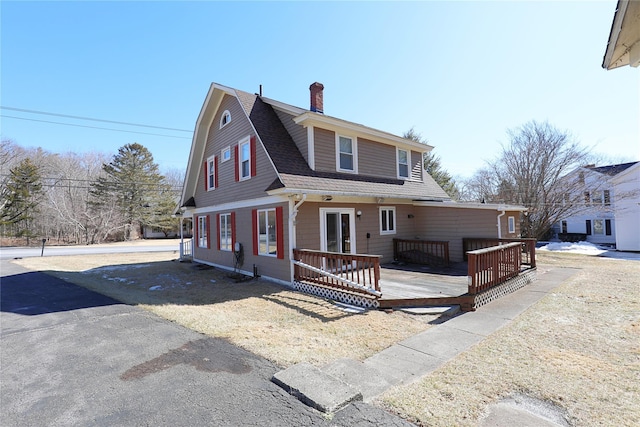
x=316 y=97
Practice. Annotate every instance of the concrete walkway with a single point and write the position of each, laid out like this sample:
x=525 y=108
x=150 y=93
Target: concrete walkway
x=339 y=383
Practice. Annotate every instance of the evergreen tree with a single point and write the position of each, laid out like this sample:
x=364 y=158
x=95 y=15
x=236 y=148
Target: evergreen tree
x=132 y=181
x=434 y=168
x=21 y=198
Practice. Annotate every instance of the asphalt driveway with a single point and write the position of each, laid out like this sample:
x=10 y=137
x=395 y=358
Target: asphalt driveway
x=70 y=356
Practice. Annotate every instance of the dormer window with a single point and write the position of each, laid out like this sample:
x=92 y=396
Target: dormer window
x=225 y=118
x=346 y=154
x=403 y=164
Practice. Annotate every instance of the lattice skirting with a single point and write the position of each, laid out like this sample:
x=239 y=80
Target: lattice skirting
x=512 y=285
x=336 y=295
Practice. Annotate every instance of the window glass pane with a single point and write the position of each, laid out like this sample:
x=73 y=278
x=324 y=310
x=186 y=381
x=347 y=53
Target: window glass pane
x=403 y=170
x=245 y=159
x=383 y=216
x=262 y=232
x=402 y=157
x=346 y=161
x=345 y=145
x=391 y=220
x=598 y=226
x=271 y=218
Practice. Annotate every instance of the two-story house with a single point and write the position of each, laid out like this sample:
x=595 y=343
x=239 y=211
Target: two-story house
x=602 y=215
x=265 y=178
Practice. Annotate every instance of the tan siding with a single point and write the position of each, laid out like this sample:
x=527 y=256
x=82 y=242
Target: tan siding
x=416 y=165
x=376 y=159
x=271 y=267
x=297 y=132
x=308 y=228
x=217 y=139
x=452 y=225
x=325 y=150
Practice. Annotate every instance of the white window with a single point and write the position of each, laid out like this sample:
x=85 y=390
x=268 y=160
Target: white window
x=388 y=220
x=225 y=154
x=202 y=232
x=346 y=154
x=512 y=224
x=267 y=236
x=225 y=232
x=244 y=159
x=598 y=226
x=225 y=119
x=403 y=164
x=211 y=173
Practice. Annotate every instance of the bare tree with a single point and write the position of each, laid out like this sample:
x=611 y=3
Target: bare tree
x=531 y=171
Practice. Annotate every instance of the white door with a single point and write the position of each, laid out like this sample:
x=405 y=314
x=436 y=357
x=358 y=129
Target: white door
x=337 y=228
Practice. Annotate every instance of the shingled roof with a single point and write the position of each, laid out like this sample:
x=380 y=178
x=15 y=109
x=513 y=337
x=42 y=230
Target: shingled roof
x=613 y=170
x=294 y=173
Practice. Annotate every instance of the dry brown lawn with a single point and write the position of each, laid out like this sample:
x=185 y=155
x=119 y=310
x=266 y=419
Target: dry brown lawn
x=579 y=348
x=281 y=325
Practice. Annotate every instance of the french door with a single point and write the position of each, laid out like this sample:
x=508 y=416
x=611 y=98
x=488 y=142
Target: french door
x=337 y=228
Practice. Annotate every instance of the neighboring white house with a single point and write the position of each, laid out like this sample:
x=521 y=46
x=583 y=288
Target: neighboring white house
x=608 y=208
x=627 y=208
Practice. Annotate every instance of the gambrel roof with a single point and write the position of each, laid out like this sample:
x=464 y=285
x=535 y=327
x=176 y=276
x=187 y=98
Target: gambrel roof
x=612 y=170
x=294 y=175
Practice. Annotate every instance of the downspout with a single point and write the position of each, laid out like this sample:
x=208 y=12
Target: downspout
x=500 y=225
x=293 y=213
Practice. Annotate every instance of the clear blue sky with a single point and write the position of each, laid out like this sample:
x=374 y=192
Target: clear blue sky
x=460 y=73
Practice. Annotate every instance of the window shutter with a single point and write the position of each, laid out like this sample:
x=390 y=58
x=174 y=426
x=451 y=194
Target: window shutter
x=607 y=226
x=233 y=231
x=588 y=225
x=218 y=232
x=279 y=233
x=206 y=176
x=252 y=146
x=208 y=225
x=237 y=161
x=254 y=224
x=215 y=172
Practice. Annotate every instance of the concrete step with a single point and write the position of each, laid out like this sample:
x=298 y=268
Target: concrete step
x=316 y=388
x=366 y=379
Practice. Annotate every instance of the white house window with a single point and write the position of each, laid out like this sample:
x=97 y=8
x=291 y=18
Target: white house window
x=403 y=164
x=388 y=220
x=211 y=173
x=512 y=224
x=244 y=160
x=598 y=226
x=202 y=232
x=225 y=232
x=346 y=154
x=267 y=237
x=225 y=154
x=225 y=119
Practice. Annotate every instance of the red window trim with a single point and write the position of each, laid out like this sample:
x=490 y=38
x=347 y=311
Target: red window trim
x=218 y=230
x=252 y=149
x=254 y=226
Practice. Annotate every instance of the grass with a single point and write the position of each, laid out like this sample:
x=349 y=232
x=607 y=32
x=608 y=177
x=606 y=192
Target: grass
x=281 y=325
x=578 y=347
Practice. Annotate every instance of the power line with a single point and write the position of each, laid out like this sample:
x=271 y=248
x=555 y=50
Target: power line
x=24 y=110
x=93 y=127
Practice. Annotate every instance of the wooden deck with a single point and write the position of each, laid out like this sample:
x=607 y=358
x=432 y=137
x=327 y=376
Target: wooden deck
x=411 y=281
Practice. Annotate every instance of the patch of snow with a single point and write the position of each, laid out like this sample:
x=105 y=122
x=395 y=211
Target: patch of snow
x=587 y=248
x=120 y=267
x=155 y=288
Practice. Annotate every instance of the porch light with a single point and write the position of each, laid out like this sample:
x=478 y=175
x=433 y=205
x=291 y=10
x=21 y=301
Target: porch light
x=359 y=214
